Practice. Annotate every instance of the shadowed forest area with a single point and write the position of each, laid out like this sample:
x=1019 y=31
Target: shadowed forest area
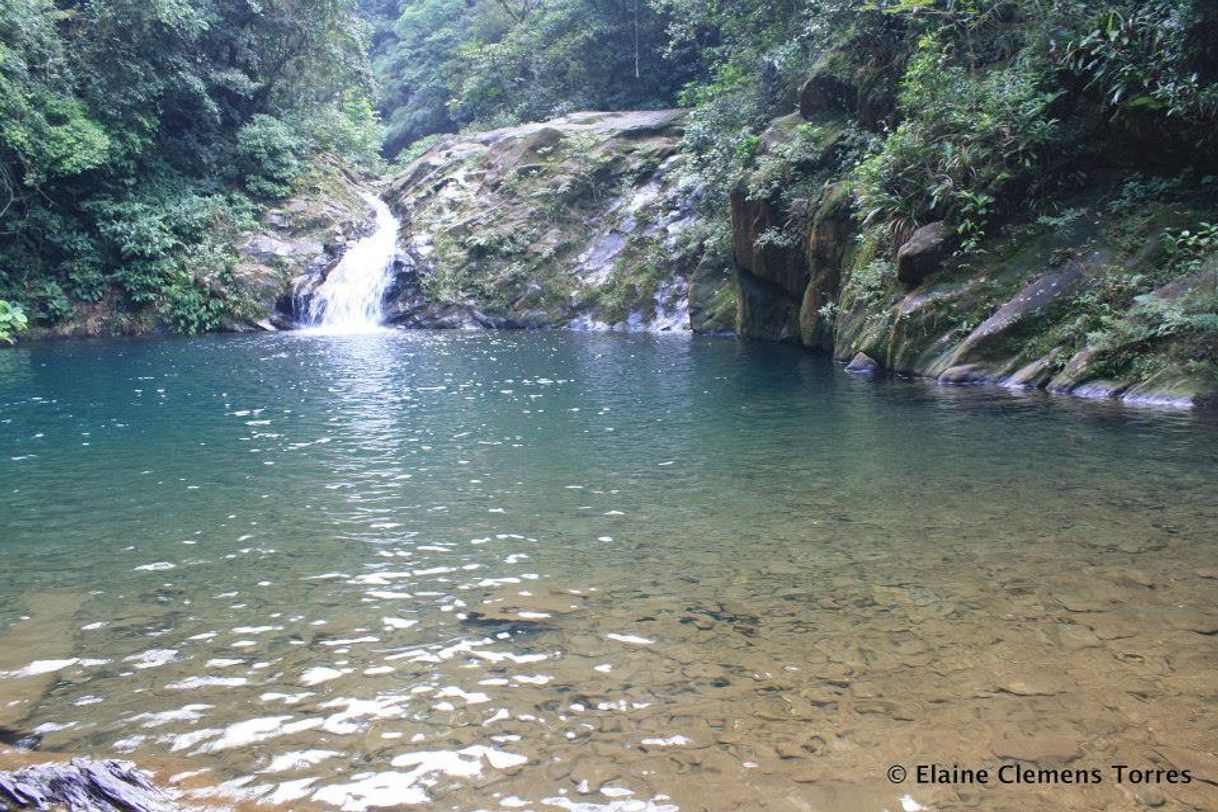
x=142 y=142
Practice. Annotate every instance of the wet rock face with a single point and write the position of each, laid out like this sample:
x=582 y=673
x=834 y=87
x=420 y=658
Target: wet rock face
x=83 y=786
x=578 y=222
x=1026 y=314
x=765 y=310
x=779 y=264
x=301 y=240
x=828 y=242
x=984 y=353
x=772 y=257
x=1044 y=304
x=712 y=296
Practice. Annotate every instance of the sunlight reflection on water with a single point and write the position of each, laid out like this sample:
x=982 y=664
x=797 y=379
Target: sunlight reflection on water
x=588 y=572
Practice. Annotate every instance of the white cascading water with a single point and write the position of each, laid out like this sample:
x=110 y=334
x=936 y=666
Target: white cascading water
x=351 y=298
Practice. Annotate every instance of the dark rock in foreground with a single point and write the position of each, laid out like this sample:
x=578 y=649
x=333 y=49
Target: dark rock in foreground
x=83 y=786
x=19 y=739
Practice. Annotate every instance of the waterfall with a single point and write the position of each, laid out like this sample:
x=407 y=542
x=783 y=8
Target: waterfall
x=351 y=298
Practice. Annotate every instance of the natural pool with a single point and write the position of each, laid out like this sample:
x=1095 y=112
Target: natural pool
x=586 y=572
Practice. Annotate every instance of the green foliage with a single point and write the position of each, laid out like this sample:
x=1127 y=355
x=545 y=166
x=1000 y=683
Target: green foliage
x=869 y=283
x=724 y=128
x=1123 y=344
x=51 y=306
x=788 y=162
x=350 y=129
x=127 y=128
x=486 y=243
x=1139 y=55
x=1139 y=189
x=269 y=154
x=1133 y=320
x=191 y=306
x=1100 y=305
x=870 y=278
x=452 y=64
x=12 y=321
x=415 y=151
x=1188 y=247
x=968 y=137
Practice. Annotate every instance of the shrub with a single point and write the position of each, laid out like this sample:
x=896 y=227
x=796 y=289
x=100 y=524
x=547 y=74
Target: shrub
x=268 y=151
x=351 y=131
x=968 y=137
x=51 y=304
x=190 y=305
x=12 y=321
x=1139 y=55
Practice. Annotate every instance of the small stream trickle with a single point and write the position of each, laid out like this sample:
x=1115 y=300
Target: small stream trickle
x=351 y=300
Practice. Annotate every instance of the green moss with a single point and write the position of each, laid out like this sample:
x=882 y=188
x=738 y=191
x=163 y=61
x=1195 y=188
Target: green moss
x=632 y=287
x=836 y=203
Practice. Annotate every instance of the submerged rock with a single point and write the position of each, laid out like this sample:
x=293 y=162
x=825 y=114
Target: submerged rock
x=862 y=364
x=20 y=740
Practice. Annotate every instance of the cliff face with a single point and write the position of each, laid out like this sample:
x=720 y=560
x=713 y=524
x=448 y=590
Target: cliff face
x=1110 y=293
x=577 y=222
x=585 y=222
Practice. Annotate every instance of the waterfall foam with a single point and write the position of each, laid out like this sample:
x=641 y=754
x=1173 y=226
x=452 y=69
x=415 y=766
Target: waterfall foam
x=352 y=297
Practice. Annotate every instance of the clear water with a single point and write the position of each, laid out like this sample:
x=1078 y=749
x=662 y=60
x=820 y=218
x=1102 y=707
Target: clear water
x=591 y=572
x=351 y=299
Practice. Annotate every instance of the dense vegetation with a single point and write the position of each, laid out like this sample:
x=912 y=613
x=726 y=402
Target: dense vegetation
x=450 y=64
x=137 y=138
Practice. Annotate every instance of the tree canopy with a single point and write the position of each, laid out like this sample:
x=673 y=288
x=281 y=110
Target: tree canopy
x=134 y=133
x=138 y=137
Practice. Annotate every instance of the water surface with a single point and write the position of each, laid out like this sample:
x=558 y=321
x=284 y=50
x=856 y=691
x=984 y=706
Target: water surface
x=586 y=572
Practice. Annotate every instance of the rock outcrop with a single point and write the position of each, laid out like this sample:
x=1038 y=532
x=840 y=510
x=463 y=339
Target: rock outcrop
x=862 y=364
x=786 y=279
x=1056 y=306
x=1085 y=300
x=300 y=240
x=921 y=255
x=576 y=222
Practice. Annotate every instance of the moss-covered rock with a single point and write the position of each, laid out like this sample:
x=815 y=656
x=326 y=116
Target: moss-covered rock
x=1115 y=295
x=767 y=207
x=1088 y=303
x=581 y=221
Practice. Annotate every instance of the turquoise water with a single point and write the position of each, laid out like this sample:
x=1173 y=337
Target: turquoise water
x=297 y=562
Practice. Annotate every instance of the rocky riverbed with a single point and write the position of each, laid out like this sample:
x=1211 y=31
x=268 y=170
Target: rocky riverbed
x=459 y=568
